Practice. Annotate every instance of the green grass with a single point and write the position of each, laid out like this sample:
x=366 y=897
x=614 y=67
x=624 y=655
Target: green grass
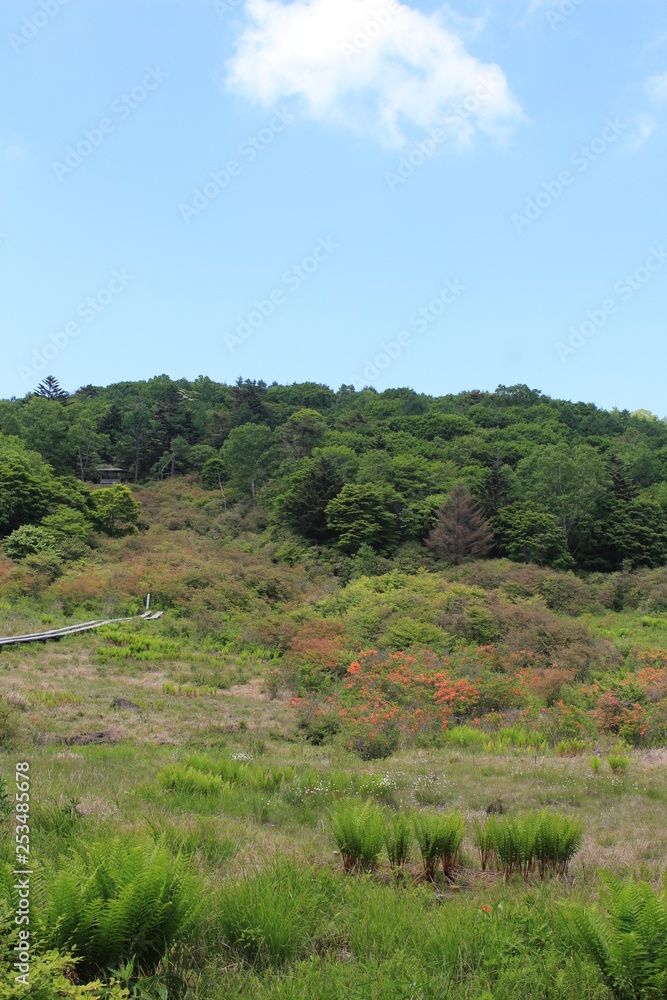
x=228 y=785
x=358 y=938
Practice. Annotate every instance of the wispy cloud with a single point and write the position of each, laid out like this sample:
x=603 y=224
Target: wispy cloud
x=389 y=72
x=644 y=127
x=13 y=151
x=656 y=87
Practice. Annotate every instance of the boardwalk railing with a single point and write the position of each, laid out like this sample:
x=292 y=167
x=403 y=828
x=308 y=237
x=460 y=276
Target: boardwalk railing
x=60 y=633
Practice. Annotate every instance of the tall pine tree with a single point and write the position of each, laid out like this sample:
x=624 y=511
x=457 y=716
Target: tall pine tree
x=460 y=531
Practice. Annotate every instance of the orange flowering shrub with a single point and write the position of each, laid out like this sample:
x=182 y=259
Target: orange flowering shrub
x=386 y=700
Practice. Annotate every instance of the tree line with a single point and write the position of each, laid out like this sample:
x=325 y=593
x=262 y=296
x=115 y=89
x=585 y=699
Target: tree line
x=510 y=473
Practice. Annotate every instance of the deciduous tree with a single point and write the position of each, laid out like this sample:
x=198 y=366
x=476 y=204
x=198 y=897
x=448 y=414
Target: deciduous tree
x=115 y=510
x=246 y=453
x=365 y=513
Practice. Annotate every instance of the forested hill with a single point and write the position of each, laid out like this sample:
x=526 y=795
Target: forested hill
x=557 y=483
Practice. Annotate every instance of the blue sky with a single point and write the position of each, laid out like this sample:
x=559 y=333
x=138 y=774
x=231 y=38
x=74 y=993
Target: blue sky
x=367 y=191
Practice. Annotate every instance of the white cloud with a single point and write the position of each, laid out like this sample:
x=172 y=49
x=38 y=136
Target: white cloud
x=378 y=67
x=656 y=87
x=645 y=126
x=12 y=152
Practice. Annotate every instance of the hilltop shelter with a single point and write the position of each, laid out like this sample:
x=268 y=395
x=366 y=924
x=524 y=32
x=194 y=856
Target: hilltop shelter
x=110 y=475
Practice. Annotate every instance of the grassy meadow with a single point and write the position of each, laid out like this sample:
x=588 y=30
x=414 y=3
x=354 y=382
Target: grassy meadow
x=190 y=777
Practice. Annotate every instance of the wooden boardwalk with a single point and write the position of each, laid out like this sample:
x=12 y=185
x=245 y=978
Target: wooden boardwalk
x=61 y=633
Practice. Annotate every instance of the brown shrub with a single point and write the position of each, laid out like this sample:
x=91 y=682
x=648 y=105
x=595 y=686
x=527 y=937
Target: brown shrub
x=548 y=682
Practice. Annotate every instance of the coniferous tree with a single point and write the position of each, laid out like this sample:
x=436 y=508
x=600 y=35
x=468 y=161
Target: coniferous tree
x=460 y=531
x=49 y=388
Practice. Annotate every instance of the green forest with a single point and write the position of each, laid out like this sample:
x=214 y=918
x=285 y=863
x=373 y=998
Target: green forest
x=533 y=479
x=398 y=727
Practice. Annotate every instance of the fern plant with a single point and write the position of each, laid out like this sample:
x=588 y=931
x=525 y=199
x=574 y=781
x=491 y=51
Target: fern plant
x=557 y=840
x=506 y=836
x=398 y=841
x=547 y=841
x=484 y=840
x=627 y=938
x=52 y=974
x=359 y=834
x=111 y=902
x=440 y=838
x=183 y=778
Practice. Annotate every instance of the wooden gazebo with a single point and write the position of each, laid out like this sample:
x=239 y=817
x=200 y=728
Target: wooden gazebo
x=109 y=475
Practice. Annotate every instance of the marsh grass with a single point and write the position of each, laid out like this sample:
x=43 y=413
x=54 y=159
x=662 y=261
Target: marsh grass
x=360 y=938
x=271 y=917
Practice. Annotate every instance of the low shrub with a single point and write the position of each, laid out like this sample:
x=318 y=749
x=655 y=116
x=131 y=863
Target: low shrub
x=618 y=762
x=373 y=743
x=359 y=833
